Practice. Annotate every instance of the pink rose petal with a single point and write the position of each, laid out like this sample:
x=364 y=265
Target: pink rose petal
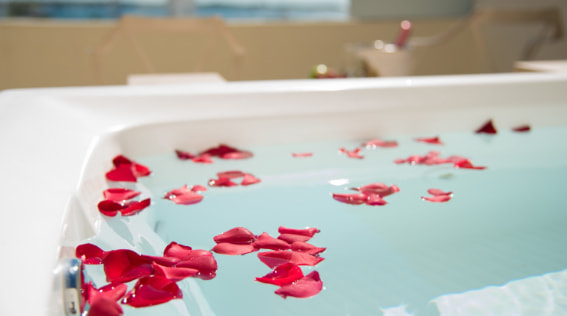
x=301 y=155
x=430 y=140
x=437 y=198
x=237 y=235
x=487 y=128
x=265 y=241
x=237 y=155
x=438 y=192
x=291 y=238
x=307 y=248
x=283 y=274
x=380 y=189
x=274 y=258
x=183 y=196
x=154 y=290
x=310 y=231
x=307 y=286
x=375 y=199
x=352 y=198
x=222 y=182
x=225 y=248
x=231 y=174
x=198 y=188
x=119 y=194
x=352 y=154
x=89 y=253
x=466 y=164
x=380 y=143
x=249 y=179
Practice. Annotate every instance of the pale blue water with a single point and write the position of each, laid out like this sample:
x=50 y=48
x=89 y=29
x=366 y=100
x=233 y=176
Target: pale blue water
x=504 y=224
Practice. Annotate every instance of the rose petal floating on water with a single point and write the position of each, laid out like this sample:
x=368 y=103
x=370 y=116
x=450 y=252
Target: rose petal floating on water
x=154 y=290
x=301 y=155
x=237 y=155
x=227 y=152
x=375 y=199
x=274 y=258
x=222 y=182
x=438 y=192
x=430 y=140
x=310 y=231
x=350 y=198
x=380 y=143
x=104 y=306
x=139 y=170
x=307 y=286
x=184 y=155
x=437 y=198
x=124 y=265
x=265 y=241
x=237 y=235
x=522 y=128
x=114 y=291
x=174 y=274
x=134 y=207
x=466 y=164
x=109 y=208
x=122 y=173
x=380 y=189
x=204 y=158
x=183 y=196
x=291 y=238
x=89 y=253
x=198 y=188
x=202 y=260
x=249 y=179
x=307 y=248
x=225 y=248
x=487 y=128
x=178 y=251
x=119 y=194
x=162 y=261
x=283 y=274
x=352 y=154
x=231 y=174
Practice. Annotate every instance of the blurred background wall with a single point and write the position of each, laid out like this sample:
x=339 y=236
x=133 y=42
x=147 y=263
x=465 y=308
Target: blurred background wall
x=53 y=52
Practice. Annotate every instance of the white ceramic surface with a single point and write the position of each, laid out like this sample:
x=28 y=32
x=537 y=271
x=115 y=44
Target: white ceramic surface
x=48 y=136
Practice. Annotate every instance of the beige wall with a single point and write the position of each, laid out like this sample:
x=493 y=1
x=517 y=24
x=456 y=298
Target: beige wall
x=35 y=53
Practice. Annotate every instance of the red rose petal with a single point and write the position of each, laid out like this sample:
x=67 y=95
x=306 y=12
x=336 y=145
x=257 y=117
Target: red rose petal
x=380 y=143
x=237 y=155
x=174 y=273
x=203 y=159
x=265 y=241
x=375 y=199
x=125 y=265
x=123 y=173
x=89 y=254
x=301 y=155
x=138 y=169
x=227 y=152
x=430 y=140
x=291 y=238
x=437 y=198
x=307 y=286
x=310 y=231
x=183 y=196
x=225 y=248
x=437 y=192
x=249 y=179
x=109 y=208
x=134 y=207
x=178 y=251
x=353 y=198
x=119 y=194
x=184 y=155
x=352 y=154
x=380 y=189
x=231 y=174
x=104 y=306
x=121 y=160
x=487 y=128
x=274 y=258
x=237 y=235
x=307 y=248
x=162 y=261
x=283 y=274
x=522 y=128
x=202 y=260
x=113 y=291
x=466 y=164
x=222 y=182
x=149 y=291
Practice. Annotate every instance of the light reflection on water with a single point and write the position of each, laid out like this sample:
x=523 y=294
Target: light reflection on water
x=504 y=225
